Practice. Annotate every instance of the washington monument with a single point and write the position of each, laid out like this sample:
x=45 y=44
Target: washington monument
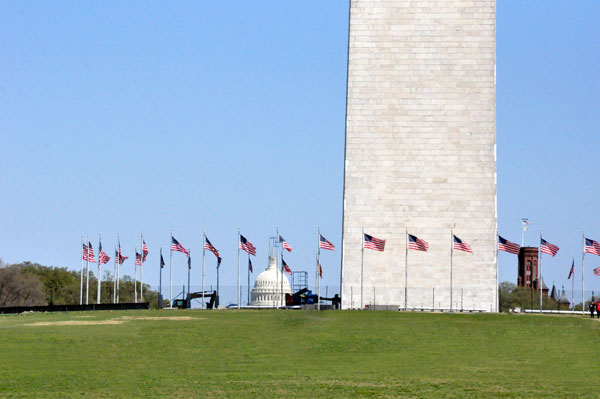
x=421 y=154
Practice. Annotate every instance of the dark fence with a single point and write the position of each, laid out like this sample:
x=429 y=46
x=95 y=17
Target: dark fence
x=76 y=308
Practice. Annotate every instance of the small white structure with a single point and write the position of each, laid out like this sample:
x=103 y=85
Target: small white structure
x=270 y=287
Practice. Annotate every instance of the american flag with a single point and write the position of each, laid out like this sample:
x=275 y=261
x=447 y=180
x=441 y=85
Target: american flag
x=507 y=246
x=144 y=251
x=102 y=256
x=591 y=247
x=91 y=257
x=416 y=243
x=323 y=243
x=84 y=252
x=247 y=246
x=120 y=257
x=285 y=268
x=210 y=247
x=597 y=271
x=572 y=270
x=320 y=269
x=548 y=248
x=459 y=245
x=138 y=259
x=176 y=246
x=286 y=246
x=371 y=242
x=250 y=266
x=162 y=261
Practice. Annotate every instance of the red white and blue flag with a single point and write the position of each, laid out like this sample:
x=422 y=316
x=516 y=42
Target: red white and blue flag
x=120 y=256
x=285 y=268
x=84 y=252
x=591 y=247
x=548 y=248
x=176 y=246
x=102 y=256
x=371 y=242
x=459 y=245
x=138 y=259
x=247 y=246
x=507 y=246
x=91 y=257
x=250 y=266
x=325 y=244
x=210 y=247
x=417 y=244
x=572 y=270
x=320 y=269
x=286 y=246
x=597 y=271
x=144 y=251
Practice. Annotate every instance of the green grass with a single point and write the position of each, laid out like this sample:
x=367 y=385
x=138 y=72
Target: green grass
x=275 y=354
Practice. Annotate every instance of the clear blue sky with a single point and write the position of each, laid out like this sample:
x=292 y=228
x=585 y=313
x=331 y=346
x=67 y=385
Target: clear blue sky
x=128 y=116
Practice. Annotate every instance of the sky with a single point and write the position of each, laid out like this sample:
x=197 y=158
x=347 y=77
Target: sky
x=123 y=117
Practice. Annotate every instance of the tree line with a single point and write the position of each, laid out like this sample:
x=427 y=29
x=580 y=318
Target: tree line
x=32 y=284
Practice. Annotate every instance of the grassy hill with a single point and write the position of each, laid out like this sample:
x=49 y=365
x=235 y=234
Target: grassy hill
x=274 y=354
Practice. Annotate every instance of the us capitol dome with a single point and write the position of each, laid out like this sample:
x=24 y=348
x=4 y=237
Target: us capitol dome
x=267 y=291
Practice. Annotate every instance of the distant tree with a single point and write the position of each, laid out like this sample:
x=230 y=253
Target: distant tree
x=20 y=289
x=60 y=285
x=512 y=296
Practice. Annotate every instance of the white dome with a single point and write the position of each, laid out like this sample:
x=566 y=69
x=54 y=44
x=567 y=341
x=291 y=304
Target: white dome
x=267 y=291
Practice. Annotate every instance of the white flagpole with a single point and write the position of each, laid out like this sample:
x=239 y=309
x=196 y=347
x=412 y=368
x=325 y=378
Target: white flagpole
x=142 y=269
x=451 y=261
x=87 y=272
x=115 y=276
x=248 y=300
x=406 y=273
x=362 y=261
x=160 y=267
x=279 y=265
x=189 y=272
x=171 y=272
x=582 y=272
x=119 y=269
x=238 y=274
x=135 y=277
x=541 y=274
x=318 y=268
x=81 y=276
x=99 y=268
x=573 y=287
x=203 y=262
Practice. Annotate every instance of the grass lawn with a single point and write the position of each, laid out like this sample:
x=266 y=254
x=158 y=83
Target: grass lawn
x=275 y=354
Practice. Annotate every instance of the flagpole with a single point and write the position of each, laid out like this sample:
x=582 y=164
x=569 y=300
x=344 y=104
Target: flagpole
x=362 y=262
x=318 y=268
x=171 y=272
x=115 y=277
x=87 y=272
x=238 y=274
x=497 y=286
x=217 y=298
x=582 y=272
x=99 y=266
x=248 y=301
x=160 y=280
x=135 y=276
x=189 y=272
x=451 y=261
x=119 y=269
x=540 y=277
x=81 y=276
x=142 y=269
x=203 y=263
x=573 y=287
x=406 y=272
x=279 y=267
